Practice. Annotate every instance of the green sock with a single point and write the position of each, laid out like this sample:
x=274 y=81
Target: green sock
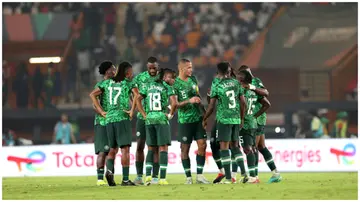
x=217 y=157
x=149 y=162
x=251 y=163
x=100 y=173
x=226 y=160
x=125 y=171
x=200 y=161
x=256 y=162
x=239 y=159
x=186 y=166
x=156 y=168
x=139 y=168
x=234 y=166
x=163 y=164
x=110 y=165
x=268 y=158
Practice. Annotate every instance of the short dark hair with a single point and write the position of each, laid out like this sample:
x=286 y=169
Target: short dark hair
x=184 y=60
x=152 y=59
x=243 y=67
x=223 y=67
x=121 y=70
x=104 y=66
x=164 y=71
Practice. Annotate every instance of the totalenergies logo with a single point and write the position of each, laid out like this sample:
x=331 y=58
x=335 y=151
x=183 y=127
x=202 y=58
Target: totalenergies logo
x=348 y=151
x=35 y=157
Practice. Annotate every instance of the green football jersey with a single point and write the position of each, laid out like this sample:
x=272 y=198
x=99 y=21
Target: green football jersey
x=118 y=99
x=156 y=95
x=185 y=90
x=141 y=80
x=228 y=92
x=261 y=120
x=98 y=118
x=251 y=99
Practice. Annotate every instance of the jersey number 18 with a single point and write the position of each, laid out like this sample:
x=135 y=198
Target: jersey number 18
x=155 y=101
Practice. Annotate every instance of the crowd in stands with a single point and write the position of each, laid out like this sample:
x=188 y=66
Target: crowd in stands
x=205 y=32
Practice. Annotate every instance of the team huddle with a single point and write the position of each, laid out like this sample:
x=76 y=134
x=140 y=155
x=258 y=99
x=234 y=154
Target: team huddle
x=158 y=94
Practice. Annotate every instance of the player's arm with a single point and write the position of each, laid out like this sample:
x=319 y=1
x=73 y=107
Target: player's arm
x=260 y=89
x=93 y=95
x=139 y=105
x=135 y=93
x=243 y=107
x=265 y=105
x=173 y=106
x=96 y=109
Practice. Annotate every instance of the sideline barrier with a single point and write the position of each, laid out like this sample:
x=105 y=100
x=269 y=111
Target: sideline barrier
x=290 y=155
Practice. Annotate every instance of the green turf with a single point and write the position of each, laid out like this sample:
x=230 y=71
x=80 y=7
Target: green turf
x=334 y=186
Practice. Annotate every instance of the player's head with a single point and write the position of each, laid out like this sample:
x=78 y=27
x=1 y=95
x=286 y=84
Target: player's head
x=152 y=66
x=223 y=69
x=245 y=68
x=64 y=118
x=167 y=75
x=244 y=77
x=107 y=69
x=185 y=67
x=123 y=71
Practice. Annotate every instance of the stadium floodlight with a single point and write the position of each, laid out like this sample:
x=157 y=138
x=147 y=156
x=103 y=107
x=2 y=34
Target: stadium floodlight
x=42 y=60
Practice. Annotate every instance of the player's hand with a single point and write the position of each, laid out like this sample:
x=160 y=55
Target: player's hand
x=245 y=85
x=103 y=114
x=204 y=124
x=130 y=113
x=195 y=100
x=144 y=116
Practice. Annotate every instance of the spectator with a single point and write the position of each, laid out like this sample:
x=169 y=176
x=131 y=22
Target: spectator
x=324 y=121
x=63 y=131
x=340 y=129
x=49 y=86
x=316 y=126
x=38 y=86
x=9 y=138
x=110 y=20
x=21 y=86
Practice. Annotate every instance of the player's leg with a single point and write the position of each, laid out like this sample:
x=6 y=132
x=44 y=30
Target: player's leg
x=224 y=137
x=200 y=137
x=185 y=138
x=215 y=149
x=234 y=167
x=156 y=166
x=109 y=174
x=248 y=143
x=236 y=153
x=256 y=150
x=123 y=139
x=101 y=149
x=140 y=139
x=151 y=142
x=163 y=140
x=276 y=177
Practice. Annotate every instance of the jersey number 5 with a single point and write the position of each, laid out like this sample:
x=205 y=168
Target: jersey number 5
x=231 y=95
x=155 y=101
x=251 y=105
x=111 y=89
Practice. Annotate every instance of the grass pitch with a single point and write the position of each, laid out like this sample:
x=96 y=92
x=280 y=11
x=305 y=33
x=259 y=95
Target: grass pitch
x=334 y=186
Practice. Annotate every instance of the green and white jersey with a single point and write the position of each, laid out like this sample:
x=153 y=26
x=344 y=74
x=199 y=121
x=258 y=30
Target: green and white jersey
x=261 y=120
x=185 y=90
x=156 y=96
x=252 y=98
x=228 y=92
x=98 y=118
x=117 y=98
x=141 y=80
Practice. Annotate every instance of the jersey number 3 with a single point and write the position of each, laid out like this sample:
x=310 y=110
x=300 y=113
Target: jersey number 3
x=113 y=101
x=231 y=95
x=155 y=101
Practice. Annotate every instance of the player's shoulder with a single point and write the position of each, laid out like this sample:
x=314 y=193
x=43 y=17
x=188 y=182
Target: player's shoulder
x=141 y=75
x=257 y=81
x=193 y=79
